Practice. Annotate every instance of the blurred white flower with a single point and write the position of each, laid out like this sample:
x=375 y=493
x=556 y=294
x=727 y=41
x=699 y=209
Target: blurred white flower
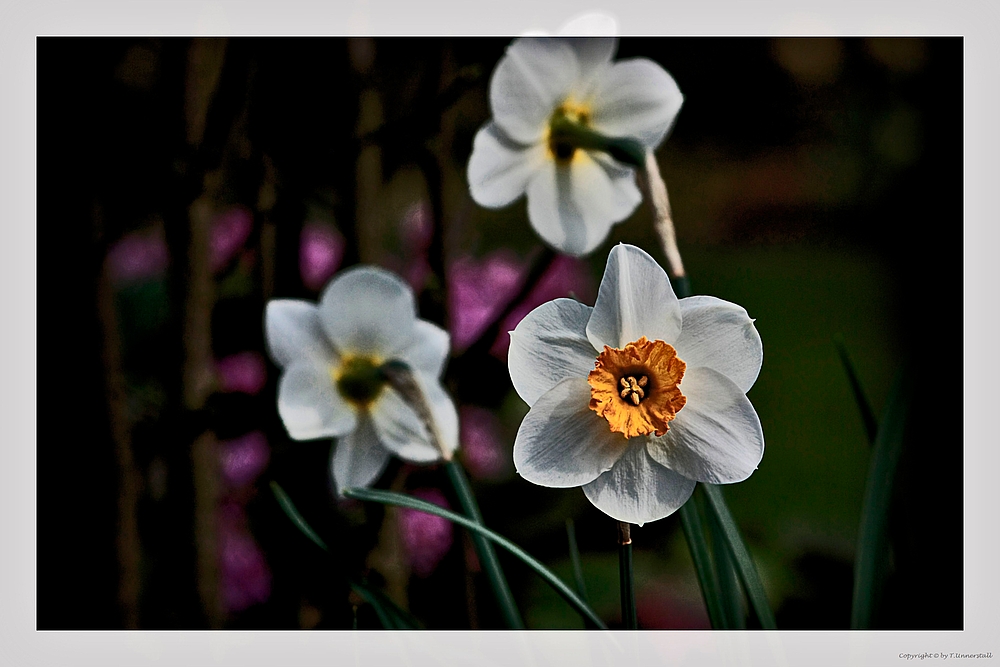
x=574 y=194
x=331 y=387
x=591 y=24
x=639 y=397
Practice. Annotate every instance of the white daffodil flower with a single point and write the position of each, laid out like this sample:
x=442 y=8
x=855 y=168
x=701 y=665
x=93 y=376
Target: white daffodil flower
x=639 y=397
x=331 y=386
x=574 y=195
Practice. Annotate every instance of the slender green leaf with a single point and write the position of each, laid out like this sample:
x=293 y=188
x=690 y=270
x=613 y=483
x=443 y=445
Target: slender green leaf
x=695 y=536
x=401 y=500
x=389 y=613
x=487 y=555
x=729 y=588
x=289 y=507
x=864 y=407
x=745 y=567
x=869 y=564
x=574 y=556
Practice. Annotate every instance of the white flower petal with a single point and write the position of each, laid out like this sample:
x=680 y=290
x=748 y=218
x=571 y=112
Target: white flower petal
x=716 y=437
x=293 y=332
x=635 y=299
x=368 y=310
x=548 y=346
x=401 y=430
x=309 y=404
x=562 y=442
x=638 y=489
x=499 y=169
x=636 y=98
x=428 y=350
x=720 y=335
x=443 y=409
x=592 y=53
x=358 y=459
x=529 y=82
x=572 y=207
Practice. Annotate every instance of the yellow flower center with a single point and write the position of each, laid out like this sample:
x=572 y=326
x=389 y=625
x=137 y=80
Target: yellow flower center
x=636 y=388
x=559 y=148
x=358 y=379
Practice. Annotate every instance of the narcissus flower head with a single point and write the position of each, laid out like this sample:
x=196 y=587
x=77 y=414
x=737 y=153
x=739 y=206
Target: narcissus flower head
x=638 y=397
x=331 y=386
x=541 y=84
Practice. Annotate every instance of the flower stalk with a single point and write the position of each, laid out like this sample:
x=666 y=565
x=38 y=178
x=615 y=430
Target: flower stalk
x=484 y=548
x=626 y=579
x=401 y=378
x=663 y=222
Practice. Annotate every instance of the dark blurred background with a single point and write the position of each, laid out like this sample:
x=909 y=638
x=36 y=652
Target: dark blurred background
x=183 y=183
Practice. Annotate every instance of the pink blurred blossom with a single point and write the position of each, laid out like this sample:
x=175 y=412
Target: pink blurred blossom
x=230 y=231
x=482 y=452
x=564 y=276
x=243 y=459
x=427 y=538
x=244 y=577
x=321 y=248
x=139 y=256
x=244 y=372
x=478 y=290
x=417 y=227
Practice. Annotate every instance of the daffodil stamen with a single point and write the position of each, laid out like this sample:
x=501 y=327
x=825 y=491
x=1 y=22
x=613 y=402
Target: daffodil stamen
x=561 y=148
x=636 y=388
x=633 y=388
x=358 y=379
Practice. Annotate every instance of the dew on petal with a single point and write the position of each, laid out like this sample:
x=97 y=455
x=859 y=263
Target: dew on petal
x=427 y=538
x=483 y=452
x=321 y=249
x=230 y=231
x=243 y=459
x=244 y=372
x=139 y=256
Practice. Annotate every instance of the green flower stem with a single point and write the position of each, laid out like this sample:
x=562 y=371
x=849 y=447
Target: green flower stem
x=694 y=533
x=869 y=564
x=745 y=567
x=623 y=149
x=626 y=579
x=487 y=554
x=401 y=500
